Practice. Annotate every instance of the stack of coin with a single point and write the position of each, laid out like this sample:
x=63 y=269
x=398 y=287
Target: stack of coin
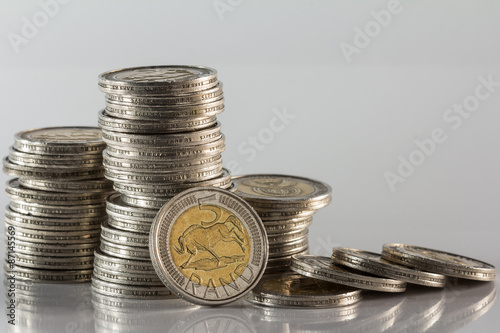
x=57 y=204
x=286 y=205
x=162 y=138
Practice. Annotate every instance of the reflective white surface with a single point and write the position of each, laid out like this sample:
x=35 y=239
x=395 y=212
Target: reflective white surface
x=75 y=308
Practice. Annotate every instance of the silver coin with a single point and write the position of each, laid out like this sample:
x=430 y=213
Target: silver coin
x=55 y=237
x=323 y=268
x=109 y=262
x=54 y=185
x=53 y=263
x=128 y=278
x=166 y=153
x=105 y=121
x=120 y=290
x=162 y=80
x=286 y=237
x=57 y=211
x=279 y=215
x=59 y=173
x=60 y=141
x=124 y=251
x=374 y=264
x=151 y=203
x=280 y=250
x=49 y=276
x=293 y=290
x=198 y=219
x=125 y=224
x=206 y=135
x=204 y=96
x=439 y=262
x=116 y=207
x=217 y=163
x=55 y=250
x=168 y=114
x=55 y=224
x=17 y=192
x=283 y=226
x=47 y=161
x=123 y=237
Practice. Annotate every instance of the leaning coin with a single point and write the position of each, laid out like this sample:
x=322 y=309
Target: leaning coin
x=373 y=263
x=263 y=189
x=439 y=262
x=60 y=141
x=291 y=290
x=324 y=269
x=127 y=291
x=208 y=246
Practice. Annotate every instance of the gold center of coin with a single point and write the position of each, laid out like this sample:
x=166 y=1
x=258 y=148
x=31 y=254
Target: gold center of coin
x=276 y=187
x=209 y=245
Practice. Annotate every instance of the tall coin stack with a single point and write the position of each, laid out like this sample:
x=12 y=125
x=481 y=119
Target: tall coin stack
x=162 y=137
x=57 y=204
x=286 y=205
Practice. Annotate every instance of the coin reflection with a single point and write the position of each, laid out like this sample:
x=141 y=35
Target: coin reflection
x=41 y=307
x=116 y=314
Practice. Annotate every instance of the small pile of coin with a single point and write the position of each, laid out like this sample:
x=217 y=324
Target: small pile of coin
x=286 y=205
x=162 y=137
x=57 y=204
x=351 y=270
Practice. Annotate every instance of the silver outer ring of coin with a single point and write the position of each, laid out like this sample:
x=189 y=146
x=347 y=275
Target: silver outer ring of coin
x=165 y=153
x=322 y=191
x=260 y=296
x=372 y=263
x=190 y=84
x=164 y=126
x=23 y=143
x=16 y=170
x=48 y=161
x=56 y=250
x=122 y=265
x=123 y=251
x=167 y=216
x=123 y=237
x=322 y=268
x=121 y=290
x=170 y=115
x=93 y=185
x=49 y=276
x=164 y=190
x=128 y=278
x=414 y=256
x=173 y=139
x=15 y=190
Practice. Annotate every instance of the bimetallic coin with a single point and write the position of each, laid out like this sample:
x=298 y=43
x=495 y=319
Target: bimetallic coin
x=60 y=141
x=322 y=268
x=439 y=262
x=158 y=80
x=282 y=190
x=208 y=246
x=374 y=264
x=293 y=290
x=120 y=290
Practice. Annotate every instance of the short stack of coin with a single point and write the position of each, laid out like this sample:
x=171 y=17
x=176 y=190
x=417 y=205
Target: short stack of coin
x=57 y=204
x=162 y=138
x=286 y=205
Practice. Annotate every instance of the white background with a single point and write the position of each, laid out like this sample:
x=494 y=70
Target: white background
x=353 y=118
